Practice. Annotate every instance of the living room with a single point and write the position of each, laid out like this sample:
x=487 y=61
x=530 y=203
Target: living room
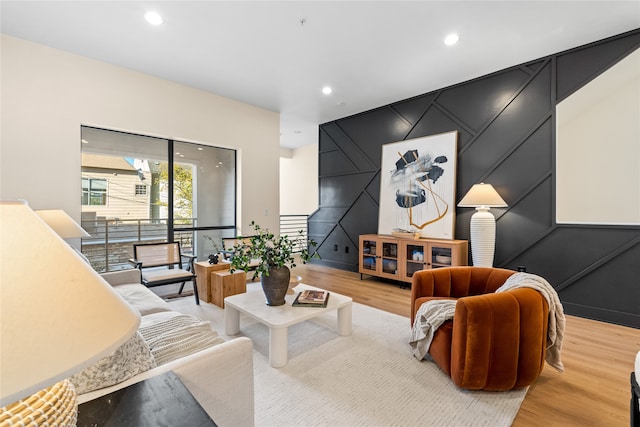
x=47 y=94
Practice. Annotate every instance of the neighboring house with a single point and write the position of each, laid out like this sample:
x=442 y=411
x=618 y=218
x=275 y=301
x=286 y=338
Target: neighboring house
x=112 y=188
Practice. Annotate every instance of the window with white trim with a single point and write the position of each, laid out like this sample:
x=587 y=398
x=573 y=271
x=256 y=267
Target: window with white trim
x=94 y=191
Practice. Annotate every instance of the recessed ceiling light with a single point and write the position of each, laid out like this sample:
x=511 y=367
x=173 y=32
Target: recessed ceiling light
x=84 y=141
x=451 y=39
x=153 y=18
x=327 y=90
x=200 y=148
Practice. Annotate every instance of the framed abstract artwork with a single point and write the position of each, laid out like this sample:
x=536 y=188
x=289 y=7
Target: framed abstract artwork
x=418 y=186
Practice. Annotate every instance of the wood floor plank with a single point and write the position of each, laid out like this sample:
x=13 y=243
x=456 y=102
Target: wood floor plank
x=598 y=357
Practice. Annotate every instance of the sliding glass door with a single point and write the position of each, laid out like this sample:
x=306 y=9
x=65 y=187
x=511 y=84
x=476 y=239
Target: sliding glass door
x=144 y=189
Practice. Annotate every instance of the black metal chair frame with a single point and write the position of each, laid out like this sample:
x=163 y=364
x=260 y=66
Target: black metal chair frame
x=168 y=262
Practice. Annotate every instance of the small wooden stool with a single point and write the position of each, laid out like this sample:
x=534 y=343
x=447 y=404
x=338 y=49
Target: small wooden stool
x=203 y=271
x=225 y=283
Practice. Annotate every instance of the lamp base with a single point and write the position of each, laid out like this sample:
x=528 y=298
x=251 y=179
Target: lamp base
x=55 y=405
x=483 y=237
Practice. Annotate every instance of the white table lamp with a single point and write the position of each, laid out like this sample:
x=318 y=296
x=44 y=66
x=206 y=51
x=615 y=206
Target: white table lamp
x=483 y=224
x=57 y=317
x=62 y=223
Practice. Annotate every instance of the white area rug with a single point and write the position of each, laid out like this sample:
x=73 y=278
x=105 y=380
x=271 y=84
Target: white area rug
x=367 y=379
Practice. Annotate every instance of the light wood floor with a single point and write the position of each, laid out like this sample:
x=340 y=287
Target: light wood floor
x=598 y=357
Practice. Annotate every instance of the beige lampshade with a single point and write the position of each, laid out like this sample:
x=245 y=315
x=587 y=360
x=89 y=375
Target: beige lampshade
x=57 y=315
x=62 y=223
x=482 y=195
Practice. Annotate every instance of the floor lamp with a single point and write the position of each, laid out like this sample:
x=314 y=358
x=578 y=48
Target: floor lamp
x=57 y=317
x=483 y=224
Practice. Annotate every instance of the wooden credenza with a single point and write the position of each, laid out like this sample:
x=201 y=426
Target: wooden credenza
x=397 y=258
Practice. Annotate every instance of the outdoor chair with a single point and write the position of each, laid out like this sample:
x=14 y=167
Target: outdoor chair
x=162 y=264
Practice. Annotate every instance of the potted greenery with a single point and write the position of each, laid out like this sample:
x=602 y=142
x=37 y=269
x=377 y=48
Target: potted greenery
x=270 y=257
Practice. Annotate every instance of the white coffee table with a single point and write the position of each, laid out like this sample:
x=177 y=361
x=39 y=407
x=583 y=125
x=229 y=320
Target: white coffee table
x=279 y=318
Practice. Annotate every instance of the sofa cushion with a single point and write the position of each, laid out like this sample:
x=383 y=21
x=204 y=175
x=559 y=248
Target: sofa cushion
x=142 y=298
x=162 y=337
x=171 y=336
x=154 y=318
x=161 y=274
x=131 y=358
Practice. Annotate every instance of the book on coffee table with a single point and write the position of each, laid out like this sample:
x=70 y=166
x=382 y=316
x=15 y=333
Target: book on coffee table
x=311 y=298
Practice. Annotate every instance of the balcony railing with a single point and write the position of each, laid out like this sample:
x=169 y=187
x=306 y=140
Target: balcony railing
x=111 y=243
x=291 y=225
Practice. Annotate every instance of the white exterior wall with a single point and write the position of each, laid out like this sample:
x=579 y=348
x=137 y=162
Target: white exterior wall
x=47 y=94
x=122 y=202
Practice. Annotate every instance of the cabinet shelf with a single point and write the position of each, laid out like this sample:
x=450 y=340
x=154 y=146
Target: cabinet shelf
x=399 y=258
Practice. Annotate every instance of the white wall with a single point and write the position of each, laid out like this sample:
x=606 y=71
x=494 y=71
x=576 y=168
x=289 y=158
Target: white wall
x=299 y=180
x=47 y=94
x=598 y=149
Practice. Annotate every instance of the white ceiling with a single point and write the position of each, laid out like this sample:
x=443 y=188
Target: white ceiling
x=279 y=54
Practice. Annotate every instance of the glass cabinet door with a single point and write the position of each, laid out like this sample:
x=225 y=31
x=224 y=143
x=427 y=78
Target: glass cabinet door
x=369 y=255
x=389 y=258
x=441 y=256
x=415 y=259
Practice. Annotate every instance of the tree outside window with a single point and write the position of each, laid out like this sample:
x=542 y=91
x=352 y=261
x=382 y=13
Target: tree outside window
x=183 y=189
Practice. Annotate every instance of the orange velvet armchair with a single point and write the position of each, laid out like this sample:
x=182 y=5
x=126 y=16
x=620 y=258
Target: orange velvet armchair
x=496 y=341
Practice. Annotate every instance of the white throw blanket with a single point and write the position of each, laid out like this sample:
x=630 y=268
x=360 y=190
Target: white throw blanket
x=432 y=314
x=555 y=329
x=177 y=337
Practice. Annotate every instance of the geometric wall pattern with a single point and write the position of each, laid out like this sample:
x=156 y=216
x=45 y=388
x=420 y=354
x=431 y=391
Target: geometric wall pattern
x=506 y=137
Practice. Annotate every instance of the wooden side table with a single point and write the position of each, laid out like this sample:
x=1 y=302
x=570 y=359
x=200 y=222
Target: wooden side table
x=162 y=400
x=203 y=271
x=225 y=283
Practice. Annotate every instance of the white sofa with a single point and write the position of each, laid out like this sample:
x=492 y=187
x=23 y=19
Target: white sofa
x=219 y=377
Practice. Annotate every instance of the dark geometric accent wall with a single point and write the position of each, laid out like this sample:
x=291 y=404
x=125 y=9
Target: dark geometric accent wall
x=506 y=136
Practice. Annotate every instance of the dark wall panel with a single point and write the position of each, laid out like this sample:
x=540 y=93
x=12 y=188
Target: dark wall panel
x=412 y=109
x=482 y=100
x=516 y=173
x=514 y=123
x=436 y=121
x=579 y=66
x=374 y=128
x=355 y=223
x=351 y=153
x=506 y=127
x=334 y=162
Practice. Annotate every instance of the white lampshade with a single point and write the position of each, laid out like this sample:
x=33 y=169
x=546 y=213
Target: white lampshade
x=57 y=315
x=62 y=223
x=483 y=224
x=482 y=195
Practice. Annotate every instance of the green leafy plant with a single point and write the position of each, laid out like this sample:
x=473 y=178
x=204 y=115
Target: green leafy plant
x=269 y=251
